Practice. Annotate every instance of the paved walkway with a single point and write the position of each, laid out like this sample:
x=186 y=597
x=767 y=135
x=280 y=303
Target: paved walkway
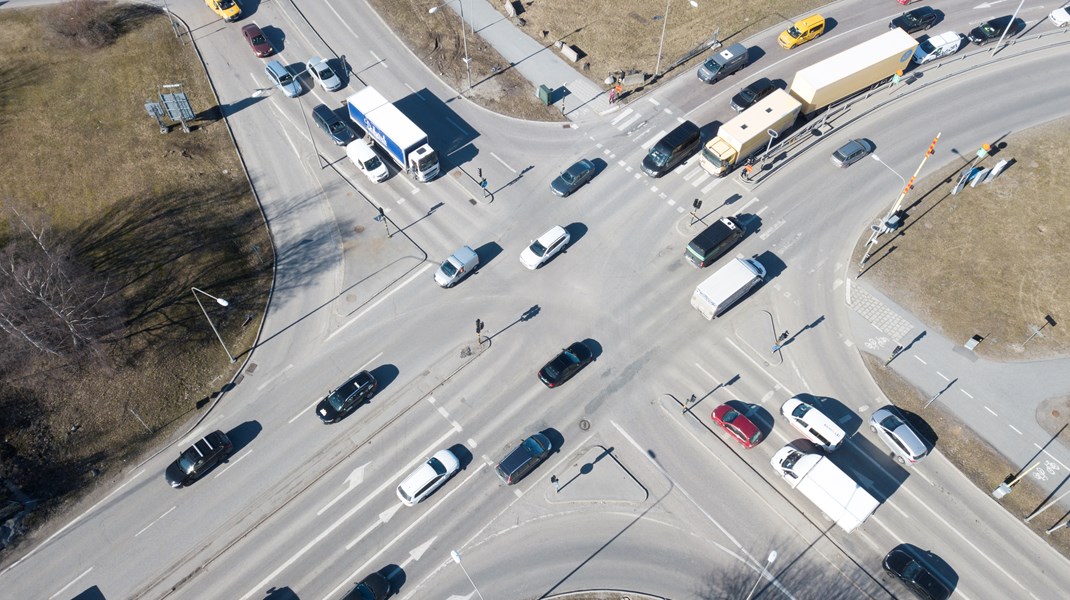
x=1001 y=402
x=540 y=64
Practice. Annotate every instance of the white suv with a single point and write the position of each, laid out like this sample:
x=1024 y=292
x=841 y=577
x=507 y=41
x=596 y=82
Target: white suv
x=813 y=424
x=428 y=477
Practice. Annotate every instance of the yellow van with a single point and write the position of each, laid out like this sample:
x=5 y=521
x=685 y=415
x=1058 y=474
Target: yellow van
x=802 y=31
x=228 y=10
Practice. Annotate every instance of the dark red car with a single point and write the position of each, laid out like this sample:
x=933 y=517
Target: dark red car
x=256 y=40
x=737 y=425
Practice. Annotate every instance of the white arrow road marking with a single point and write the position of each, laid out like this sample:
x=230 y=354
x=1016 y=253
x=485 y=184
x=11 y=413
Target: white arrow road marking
x=352 y=481
x=418 y=551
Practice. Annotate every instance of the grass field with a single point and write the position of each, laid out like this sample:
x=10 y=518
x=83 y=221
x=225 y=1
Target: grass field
x=990 y=260
x=153 y=214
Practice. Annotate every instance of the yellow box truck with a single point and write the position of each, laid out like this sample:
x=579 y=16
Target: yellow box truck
x=852 y=70
x=748 y=133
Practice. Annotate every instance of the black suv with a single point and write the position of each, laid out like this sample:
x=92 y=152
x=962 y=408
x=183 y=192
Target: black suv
x=333 y=125
x=524 y=458
x=373 y=587
x=351 y=394
x=565 y=365
x=913 y=574
x=915 y=20
x=198 y=459
x=989 y=31
x=751 y=94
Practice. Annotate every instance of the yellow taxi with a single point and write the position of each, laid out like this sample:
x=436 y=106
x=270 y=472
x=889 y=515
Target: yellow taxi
x=228 y=10
x=801 y=32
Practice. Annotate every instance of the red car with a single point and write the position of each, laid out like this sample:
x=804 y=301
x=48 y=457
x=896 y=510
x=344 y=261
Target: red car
x=737 y=425
x=256 y=40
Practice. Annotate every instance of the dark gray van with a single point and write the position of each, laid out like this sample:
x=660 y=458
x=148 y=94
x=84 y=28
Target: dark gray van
x=524 y=458
x=714 y=242
x=724 y=63
x=676 y=147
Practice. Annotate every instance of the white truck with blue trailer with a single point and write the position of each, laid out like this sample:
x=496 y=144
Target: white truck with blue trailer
x=395 y=133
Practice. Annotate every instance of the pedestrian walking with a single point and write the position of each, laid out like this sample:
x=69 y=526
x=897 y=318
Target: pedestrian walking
x=782 y=337
x=612 y=96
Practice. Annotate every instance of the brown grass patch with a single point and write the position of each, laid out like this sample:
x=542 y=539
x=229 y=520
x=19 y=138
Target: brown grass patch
x=990 y=260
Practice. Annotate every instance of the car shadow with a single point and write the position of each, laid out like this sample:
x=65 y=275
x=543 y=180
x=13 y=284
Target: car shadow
x=384 y=375
x=576 y=231
x=463 y=454
x=395 y=575
x=249 y=8
x=847 y=419
x=882 y=488
x=752 y=224
x=487 y=253
x=94 y=592
x=283 y=593
x=599 y=166
x=928 y=435
x=243 y=434
x=773 y=265
x=557 y=441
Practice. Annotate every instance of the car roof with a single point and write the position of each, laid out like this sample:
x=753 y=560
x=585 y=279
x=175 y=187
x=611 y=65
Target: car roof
x=555 y=233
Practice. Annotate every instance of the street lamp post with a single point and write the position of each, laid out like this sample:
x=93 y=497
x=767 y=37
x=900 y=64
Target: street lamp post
x=464 y=37
x=457 y=559
x=896 y=173
x=768 y=561
x=664 y=22
x=220 y=302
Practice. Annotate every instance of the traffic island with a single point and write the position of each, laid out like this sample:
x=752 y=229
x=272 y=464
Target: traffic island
x=594 y=475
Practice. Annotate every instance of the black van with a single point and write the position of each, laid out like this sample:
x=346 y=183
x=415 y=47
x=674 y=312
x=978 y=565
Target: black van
x=714 y=242
x=673 y=149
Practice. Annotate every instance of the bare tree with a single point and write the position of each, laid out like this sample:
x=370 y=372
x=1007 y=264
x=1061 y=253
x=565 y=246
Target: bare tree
x=48 y=302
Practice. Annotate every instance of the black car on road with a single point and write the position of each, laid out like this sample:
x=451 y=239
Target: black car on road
x=198 y=459
x=346 y=397
x=915 y=20
x=524 y=458
x=565 y=365
x=906 y=567
x=989 y=31
x=339 y=131
x=751 y=94
x=373 y=587
x=572 y=178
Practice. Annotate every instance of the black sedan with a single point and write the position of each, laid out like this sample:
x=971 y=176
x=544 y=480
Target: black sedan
x=333 y=125
x=913 y=574
x=915 y=20
x=751 y=94
x=198 y=459
x=565 y=365
x=373 y=587
x=989 y=31
x=572 y=178
x=351 y=394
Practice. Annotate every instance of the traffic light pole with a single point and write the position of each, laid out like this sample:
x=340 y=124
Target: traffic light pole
x=887 y=224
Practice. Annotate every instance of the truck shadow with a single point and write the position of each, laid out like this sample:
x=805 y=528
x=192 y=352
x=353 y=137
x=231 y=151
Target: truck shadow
x=447 y=132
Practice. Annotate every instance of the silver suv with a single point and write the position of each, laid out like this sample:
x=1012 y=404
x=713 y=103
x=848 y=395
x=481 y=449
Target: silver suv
x=893 y=429
x=282 y=78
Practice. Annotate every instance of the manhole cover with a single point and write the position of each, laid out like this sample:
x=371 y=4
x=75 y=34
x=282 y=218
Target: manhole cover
x=472 y=201
x=585 y=424
x=359 y=229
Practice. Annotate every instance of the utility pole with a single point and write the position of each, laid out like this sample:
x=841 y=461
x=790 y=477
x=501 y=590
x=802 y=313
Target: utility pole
x=891 y=220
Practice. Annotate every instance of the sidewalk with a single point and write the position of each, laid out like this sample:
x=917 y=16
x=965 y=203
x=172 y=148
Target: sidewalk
x=582 y=99
x=1000 y=402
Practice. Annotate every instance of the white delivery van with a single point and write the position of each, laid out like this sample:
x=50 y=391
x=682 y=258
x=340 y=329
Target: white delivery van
x=458 y=266
x=365 y=159
x=937 y=46
x=726 y=286
x=813 y=424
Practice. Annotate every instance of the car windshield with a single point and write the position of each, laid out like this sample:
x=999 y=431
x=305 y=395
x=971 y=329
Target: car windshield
x=891 y=422
x=338 y=127
x=439 y=468
x=988 y=30
x=659 y=156
x=372 y=163
x=711 y=66
x=225 y=4
x=338 y=397
x=425 y=163
x=448 y=269
x=713 y=158
x=537 y=248
x=791 y=459
x=533 y=446
x=910 y=20
x=285 y=78
x=749 y=94
x=911 y=570
x=927 y=47
x=324 y=72
x=757 y=437
x=800 y=411
x=730 y=416
x=187 y=460
x=259 y=40
x=793 y=32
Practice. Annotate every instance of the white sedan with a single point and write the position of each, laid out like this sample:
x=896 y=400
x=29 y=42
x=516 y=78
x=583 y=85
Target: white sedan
x=324 y=74
x=544 y=248
x=428 y=477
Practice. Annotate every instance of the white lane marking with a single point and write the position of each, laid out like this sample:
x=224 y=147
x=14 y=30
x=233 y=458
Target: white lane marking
x=942 y=375
x=276 y=376
x=647 y=144
x=598 y=145
x=623 y=114
x=755 y=363
x=651 y=100
x=772 y=229
x=672 y=202
x=680 y=210
x=991 y=411
x=967 y=394
x=698 y=180
x=625 y=124
x=360 y=505
x=154 y=521
x=918 y=358
x=472 y=443
x=355 y=478
x=380 y=300
x=426 y=513
x=73 y=521
x=339 y=19
x=712 y=185
x=71 y=583
x=751 y=201
x=378 y=60
x=692 y=173
x=232 y=463
x=699 y=367
x=503 y=162
x=638 y=175
x=1016 y=430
